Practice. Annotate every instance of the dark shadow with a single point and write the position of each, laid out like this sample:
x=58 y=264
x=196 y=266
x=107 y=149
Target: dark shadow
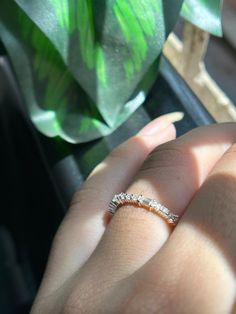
x=171 y=13
x=171 y=93
x=30 y=209
x=88 y=76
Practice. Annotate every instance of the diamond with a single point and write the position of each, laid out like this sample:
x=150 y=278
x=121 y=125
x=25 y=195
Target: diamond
x=157 y=206
x=122 y=196
x=115 y=199
x=145 y=201
x=174 y=217
x=128 y=197
x=140 y=198
x=153 y=203
x=165 y=210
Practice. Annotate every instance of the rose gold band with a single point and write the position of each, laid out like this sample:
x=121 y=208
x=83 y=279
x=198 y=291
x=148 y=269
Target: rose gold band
x=147 y=203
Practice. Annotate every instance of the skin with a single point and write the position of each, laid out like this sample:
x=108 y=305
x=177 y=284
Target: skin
x=136 y=263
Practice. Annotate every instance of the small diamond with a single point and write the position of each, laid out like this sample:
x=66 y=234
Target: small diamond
x=165 y=210
x=152 y=203
x=115 y=199
x=122 y=196
x=157 y=206
x=175 y=218
x=145 y=201
x=128 y=197
x=140 y=198
x=134 y=197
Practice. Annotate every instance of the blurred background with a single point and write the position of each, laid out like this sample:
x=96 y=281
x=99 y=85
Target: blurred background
x=221 y=53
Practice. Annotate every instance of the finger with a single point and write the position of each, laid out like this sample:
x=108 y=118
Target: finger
x=203 y=245
x=84 y=224
x=172 y=174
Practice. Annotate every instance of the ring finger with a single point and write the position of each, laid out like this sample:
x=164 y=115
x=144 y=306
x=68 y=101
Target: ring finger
x=172 y=174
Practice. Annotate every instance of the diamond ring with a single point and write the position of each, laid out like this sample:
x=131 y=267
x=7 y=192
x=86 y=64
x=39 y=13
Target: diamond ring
x=147 y=203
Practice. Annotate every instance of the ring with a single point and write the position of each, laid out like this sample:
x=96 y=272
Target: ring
x=147 y=203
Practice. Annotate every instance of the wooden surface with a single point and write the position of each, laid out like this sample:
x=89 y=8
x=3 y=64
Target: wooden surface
x=187 y=57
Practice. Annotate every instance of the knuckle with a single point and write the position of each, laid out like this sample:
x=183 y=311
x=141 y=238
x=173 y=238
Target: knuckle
x=118 y=154
x=134 y=147
x=86 y=197
x=85 y=193
x=168 y=155
x=124 y=150
x=79 y=196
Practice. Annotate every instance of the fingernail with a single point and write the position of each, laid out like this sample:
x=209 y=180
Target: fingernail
x=174 y=116
x=156 y=126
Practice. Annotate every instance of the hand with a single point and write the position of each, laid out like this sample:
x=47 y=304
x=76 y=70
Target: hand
x=138 y=263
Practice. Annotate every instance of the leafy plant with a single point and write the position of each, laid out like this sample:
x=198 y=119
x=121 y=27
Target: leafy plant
x=84 y=66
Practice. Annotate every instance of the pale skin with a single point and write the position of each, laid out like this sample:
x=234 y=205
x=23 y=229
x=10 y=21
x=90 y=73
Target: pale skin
x=137 y=263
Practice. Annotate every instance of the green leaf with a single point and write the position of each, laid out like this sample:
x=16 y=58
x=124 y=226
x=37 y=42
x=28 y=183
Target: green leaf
x=85 y=66
x=50 y=91
x=206 y=14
